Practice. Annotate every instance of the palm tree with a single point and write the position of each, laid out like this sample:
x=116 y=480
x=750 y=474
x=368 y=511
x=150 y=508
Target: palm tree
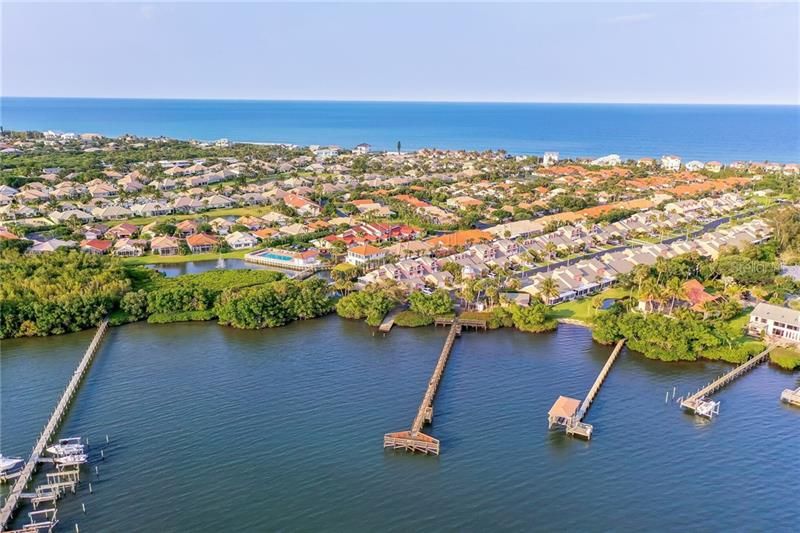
x=650 y=291
x=548 y=289
x=674 y=291
x=551 y=250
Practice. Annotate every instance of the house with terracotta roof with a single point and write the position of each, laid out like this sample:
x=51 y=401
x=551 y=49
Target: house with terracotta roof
x=187 y=227
x=201 y=243
x=460 y=238
x=302 y=205
x=122 y=231
x=96 y=246
x=366 y=254
x=165 y=245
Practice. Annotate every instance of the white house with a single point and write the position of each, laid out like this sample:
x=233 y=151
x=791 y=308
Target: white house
x=775 y=321
x=365 y=254
x=671 y=162
x=550 y=159
x=239 y=240
x=610 y=160
x=362 y=149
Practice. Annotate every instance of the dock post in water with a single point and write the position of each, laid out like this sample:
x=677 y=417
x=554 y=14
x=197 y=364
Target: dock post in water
x=700 y=404
x=414 y=440
x=15 y=494
x=569 y=412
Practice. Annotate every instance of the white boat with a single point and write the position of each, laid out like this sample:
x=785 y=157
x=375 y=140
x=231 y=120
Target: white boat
x=10 y=467
x=70 y=446
x=74 y=459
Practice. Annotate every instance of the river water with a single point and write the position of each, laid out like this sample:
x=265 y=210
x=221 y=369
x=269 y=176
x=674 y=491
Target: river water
x=213 y=429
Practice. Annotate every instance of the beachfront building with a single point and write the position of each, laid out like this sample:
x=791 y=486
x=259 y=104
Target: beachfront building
x=610 y=160
x=549 y=159
x=671 y=162
x=775 y=322
x=362 y=149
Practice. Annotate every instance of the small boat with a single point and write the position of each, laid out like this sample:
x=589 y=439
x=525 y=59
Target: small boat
x=70 y=446
x=74 y=459
x=10 y=467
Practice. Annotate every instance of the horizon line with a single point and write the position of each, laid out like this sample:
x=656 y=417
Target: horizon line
x=421 y=101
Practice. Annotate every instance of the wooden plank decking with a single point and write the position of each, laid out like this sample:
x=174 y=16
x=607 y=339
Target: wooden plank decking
x=700 y=404
x=59 y=412
x=575 y=424
x=414 y=440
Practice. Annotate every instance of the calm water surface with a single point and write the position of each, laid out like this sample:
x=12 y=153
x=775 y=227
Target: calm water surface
x=214 y=429
x=723 y=132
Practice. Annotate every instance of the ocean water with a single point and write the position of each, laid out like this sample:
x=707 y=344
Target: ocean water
x=213 y=428
x=704 y=132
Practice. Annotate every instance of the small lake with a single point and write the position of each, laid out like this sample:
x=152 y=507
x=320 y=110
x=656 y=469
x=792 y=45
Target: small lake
x=213 y=429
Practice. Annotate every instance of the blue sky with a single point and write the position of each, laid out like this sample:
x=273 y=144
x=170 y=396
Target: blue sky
x=535 y=52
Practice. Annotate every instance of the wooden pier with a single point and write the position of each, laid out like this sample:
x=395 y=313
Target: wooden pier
x=388 y=320
x=700 y=403
x=569 y=412
x=463 y=322
x=414 y=440
x=14 y=496
x=792 y=397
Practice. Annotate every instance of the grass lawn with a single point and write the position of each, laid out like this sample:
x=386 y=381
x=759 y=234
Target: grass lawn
x=154 y=259
x=785 y=358
x=582 y=309
x=255 y=210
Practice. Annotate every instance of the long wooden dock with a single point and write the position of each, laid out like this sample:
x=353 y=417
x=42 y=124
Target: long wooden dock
x=700 y=404
x=569 y=413
x=414 y=440
x=15 y=495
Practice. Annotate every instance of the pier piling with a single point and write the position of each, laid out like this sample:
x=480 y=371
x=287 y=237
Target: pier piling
x=15 y=494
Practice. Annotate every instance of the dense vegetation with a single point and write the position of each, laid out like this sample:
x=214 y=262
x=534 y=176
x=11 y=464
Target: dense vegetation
x=371 y=304
x=274 y=304
x=57 y=293
x=69 y=291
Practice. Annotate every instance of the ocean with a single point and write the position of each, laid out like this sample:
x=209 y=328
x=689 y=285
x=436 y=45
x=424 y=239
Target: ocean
x=705 y=132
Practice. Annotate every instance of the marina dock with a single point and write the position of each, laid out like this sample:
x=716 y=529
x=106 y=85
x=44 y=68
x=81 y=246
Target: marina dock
x=700 y=403
x=792 y=397
x=17 y=490
x=414 y=440
x=569 y=412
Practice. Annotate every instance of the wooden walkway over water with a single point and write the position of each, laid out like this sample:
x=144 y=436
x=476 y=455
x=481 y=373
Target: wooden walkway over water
x=573 y=420
x=699 y=403
x=17 y=490
x=414 y=440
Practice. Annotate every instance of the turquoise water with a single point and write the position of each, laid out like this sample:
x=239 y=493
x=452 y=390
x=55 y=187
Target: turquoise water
x=277 y=257
x=214 y=429
x=703 y=132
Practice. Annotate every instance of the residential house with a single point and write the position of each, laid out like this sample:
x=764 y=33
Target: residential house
x=239 y=240
x=165 y=245
x=776 y=322
x=201 y=243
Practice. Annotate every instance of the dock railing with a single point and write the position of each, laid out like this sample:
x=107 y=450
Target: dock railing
x=13 y=499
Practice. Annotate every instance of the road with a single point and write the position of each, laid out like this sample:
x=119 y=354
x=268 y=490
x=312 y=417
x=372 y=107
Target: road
x=525 y=277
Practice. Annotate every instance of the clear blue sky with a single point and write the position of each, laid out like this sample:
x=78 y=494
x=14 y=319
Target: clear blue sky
x=539 y=52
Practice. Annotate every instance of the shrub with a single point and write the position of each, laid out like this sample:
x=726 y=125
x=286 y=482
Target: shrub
x=412 y=319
